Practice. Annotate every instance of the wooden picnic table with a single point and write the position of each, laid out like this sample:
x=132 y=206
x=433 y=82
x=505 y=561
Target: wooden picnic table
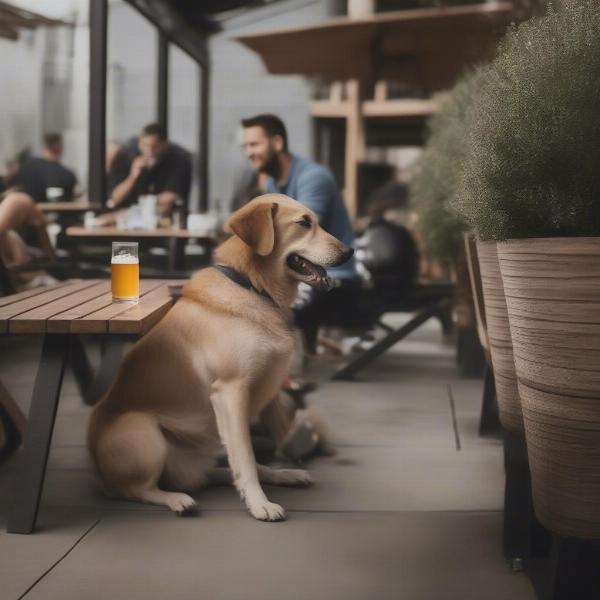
x=74 y=206
x=61 y=313
x=176 y=239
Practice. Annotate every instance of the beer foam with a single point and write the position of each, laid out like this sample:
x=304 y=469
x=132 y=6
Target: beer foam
x=124 y=259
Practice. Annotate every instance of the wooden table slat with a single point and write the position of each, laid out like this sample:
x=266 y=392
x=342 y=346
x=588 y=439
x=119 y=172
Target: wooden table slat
x=140 y=318
x=96 y=320
x=12 y=310
x=113 y=232
x=14 y=298
x=68 y=206
x=36 y=320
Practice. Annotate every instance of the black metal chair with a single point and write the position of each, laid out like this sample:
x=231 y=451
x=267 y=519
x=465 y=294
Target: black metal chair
x=424 y=299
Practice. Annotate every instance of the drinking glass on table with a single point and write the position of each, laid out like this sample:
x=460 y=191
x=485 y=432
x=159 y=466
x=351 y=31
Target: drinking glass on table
x=125 y=272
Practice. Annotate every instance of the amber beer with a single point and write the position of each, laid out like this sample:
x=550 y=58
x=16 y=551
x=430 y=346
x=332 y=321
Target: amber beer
x=125 y=272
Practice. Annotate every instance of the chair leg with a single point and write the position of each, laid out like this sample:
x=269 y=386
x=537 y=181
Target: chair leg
x=38 y=435
x=446 y=321
x=489 y=421
x=348 y=371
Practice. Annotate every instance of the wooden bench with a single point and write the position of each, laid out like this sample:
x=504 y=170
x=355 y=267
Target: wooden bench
x=60 y=313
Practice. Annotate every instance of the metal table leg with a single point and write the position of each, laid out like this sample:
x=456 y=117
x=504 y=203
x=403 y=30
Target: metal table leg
x=80 y=364
x=111 y=360
x=176 y=259
x=38 y=434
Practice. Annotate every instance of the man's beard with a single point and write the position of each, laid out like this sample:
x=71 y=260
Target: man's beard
x=272 y=167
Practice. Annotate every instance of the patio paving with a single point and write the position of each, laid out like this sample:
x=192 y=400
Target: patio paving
x=409 y=508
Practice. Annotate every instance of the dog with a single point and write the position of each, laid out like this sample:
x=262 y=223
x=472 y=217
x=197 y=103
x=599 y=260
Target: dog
x=213 y=363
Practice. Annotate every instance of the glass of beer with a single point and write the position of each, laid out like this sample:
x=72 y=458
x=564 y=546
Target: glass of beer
x=125 y=272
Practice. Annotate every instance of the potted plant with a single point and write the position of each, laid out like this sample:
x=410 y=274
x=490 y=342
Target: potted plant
x=530 y=180
x=432 y=189
x=434 y=193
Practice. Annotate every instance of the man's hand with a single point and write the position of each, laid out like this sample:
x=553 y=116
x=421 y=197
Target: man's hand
x=138 y=164
x=120 y=191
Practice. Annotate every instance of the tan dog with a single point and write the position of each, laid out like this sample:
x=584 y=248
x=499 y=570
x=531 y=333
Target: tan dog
x=213 y=363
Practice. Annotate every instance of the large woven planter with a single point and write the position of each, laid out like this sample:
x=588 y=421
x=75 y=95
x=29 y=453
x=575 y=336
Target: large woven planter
x=552 y=289
x=501 y=350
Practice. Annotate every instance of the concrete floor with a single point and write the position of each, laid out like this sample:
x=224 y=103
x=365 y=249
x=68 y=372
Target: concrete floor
x=408 y=509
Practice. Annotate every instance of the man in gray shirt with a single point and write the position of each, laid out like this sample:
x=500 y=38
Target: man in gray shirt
x=265 y=144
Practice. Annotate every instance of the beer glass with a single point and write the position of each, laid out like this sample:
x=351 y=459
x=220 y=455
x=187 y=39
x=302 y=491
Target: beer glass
x=125 y=272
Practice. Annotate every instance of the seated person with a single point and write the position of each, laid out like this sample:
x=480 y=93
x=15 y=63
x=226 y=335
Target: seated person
x=265 y=144
x=150 y=164
x=12 y=167
x=39 y=174
x=23 y=237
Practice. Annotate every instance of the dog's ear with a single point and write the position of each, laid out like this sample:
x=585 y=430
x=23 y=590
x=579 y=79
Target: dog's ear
x=253 y=223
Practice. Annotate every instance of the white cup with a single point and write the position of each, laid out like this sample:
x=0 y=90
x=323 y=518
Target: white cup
x=202 y=224
x=134 y=218
x=89 y=220
x=148 y=210
x=53 y=194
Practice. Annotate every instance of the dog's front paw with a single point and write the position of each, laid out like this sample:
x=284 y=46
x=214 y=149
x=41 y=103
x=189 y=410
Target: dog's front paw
x=293 y=478
x=267 y=511
x=182 y=505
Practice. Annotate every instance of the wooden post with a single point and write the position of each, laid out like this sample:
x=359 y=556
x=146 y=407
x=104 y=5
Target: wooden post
x=358 y=9
x=355 y=146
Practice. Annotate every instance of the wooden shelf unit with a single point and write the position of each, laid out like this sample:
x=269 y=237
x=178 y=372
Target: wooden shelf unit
x=356 y=114
x=327 y=109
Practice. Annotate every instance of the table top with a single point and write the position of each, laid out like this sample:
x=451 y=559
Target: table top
x=73 y=206
x=84 y=306
x=113 y=232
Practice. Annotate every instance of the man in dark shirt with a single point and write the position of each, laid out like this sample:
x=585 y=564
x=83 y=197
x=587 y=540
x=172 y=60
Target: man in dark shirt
x=43 y=177
x=150 y=164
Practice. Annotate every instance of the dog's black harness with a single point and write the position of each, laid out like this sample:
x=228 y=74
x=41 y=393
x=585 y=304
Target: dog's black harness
x=242 y=280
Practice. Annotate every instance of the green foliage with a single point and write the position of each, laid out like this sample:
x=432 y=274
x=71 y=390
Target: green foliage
x=532 y=168
x=434 y=183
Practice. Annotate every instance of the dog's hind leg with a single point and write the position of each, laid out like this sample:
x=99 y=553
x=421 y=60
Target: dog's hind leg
x=181 y=504
x=131 y=454
x=266 y=475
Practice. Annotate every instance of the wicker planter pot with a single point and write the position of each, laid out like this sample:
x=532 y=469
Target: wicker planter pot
x=501 y=350
x=552 y=289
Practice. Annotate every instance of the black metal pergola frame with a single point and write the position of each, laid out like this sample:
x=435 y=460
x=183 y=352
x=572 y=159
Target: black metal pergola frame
x=171 y=30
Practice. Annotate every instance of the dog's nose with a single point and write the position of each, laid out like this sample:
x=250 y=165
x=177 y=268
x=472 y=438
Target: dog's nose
x=345 y=256
x=347 y=253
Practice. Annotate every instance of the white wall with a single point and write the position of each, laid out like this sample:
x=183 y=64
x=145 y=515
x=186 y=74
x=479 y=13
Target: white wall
x=20 y=99
x=45 y=77
x=241 y=87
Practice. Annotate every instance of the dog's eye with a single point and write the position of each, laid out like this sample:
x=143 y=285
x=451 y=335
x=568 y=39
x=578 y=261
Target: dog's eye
x=304 y=222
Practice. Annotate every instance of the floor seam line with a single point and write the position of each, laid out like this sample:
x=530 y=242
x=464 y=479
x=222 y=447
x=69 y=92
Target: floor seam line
x=56 y=563
x=454 y=421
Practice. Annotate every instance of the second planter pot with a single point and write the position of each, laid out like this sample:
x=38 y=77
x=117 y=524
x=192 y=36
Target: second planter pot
x=498 y=330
